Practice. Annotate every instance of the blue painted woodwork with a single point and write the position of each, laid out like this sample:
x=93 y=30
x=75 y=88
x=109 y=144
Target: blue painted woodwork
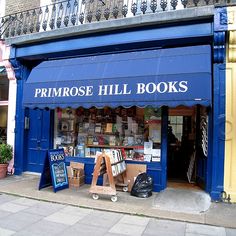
x=219 y=47
x=70 y=46
x=88 y=168
x=209 y=166
x=221 y=19
x=217 y=161
x=201 y=160
x=21 y=72
x=164 y=147
x=151 y=77
x=37 y=139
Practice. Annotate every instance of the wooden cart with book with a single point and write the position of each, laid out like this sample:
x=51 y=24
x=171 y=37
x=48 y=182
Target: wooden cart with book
x=111 y=166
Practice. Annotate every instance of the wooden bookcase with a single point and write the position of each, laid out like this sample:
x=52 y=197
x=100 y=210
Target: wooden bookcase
x=111 y=167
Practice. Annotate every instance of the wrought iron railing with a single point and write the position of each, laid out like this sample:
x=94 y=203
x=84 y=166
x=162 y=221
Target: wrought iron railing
x=75 y=12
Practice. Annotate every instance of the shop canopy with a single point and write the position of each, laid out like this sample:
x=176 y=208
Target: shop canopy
x=170 y=77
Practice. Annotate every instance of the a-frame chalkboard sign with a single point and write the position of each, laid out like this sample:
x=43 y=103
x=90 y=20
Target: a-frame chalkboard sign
x=54 y=171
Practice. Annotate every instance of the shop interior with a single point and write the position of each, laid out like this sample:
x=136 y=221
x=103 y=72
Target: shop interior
x=186 y=145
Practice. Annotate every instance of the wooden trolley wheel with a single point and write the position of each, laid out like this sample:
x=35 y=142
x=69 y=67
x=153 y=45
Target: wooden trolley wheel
x=95 y=196
x=114 y=198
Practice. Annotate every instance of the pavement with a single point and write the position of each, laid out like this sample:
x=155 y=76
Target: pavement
x=29 y=217
x=189 y=206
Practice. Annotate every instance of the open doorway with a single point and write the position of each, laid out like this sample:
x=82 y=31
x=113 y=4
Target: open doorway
x=186 y=154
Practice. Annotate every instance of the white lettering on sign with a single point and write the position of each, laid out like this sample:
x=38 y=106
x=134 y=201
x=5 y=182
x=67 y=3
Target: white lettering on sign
x=113 y=89
x=162 y=87
x=64 y=92
x=57 y=157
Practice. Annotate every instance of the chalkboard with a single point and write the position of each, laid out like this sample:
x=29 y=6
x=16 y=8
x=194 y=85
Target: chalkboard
x=54 y=171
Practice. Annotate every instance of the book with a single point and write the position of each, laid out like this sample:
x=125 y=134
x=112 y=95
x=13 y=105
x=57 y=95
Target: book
x=112 y=140
x=90 y=140
x=109 y=128
x=98 y=127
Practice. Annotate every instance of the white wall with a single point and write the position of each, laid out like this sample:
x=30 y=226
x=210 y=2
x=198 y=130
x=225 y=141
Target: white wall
x=2 y=7
x=11 y=113
x=45 y=2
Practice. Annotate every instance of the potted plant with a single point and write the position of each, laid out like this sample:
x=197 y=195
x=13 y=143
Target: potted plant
x=6 y=154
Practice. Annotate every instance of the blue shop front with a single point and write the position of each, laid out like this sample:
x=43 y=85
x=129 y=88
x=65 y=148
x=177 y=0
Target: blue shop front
x=155 y=105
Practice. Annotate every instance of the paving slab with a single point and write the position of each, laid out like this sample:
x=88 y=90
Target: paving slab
x=25 y=201
x=18 y=221
x=42 y=228
x=205 y=230
x=127 y=229
x=230 y=232
x=44 y=208
x=134 y=220
x=84 y=230
x=4 y=214
x=12 y=207
x=63 y=218
x=6 y=232
x=165 y=228
x=101 y=219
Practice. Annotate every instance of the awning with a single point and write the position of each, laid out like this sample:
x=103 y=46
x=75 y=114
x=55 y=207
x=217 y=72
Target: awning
x=171 y=77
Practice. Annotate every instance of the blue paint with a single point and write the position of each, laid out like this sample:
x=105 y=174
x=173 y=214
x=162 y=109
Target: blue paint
x=210 y=139
x=164 y=147
x=37 y=139
x=219 y=47
x=221 y=19
x=88 y=168
x=21 y=73
x=116 y=38
x=90 y=79
x=217 y=163
x=19 y=125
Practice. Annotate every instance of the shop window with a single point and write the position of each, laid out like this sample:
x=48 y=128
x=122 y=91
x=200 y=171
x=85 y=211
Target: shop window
x=86 y=132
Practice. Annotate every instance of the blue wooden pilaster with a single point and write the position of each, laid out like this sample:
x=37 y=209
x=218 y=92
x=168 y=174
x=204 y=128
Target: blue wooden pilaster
x=21 y=73
x=216 y=161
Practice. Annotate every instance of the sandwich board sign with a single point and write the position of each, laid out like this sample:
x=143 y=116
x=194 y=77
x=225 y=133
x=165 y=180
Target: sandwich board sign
x=54 y=171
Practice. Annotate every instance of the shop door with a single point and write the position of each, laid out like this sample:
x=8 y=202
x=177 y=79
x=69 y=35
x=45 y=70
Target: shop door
x=202 y=147
x=38 y=139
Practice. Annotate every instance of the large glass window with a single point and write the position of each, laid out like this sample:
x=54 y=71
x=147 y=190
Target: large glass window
x=86 y=132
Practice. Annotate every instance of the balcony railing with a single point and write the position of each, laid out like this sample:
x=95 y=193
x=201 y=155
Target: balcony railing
x=75 y=12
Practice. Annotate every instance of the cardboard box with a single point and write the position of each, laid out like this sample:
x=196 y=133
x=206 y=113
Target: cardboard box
x=75 y=172
x=76 y=182
x=75 y=169
x=132 y=171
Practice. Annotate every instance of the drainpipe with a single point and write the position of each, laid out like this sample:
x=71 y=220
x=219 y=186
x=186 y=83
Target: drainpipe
x=4 y=61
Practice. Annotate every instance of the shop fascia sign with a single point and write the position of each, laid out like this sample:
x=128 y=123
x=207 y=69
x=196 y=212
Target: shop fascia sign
x=113 y=89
